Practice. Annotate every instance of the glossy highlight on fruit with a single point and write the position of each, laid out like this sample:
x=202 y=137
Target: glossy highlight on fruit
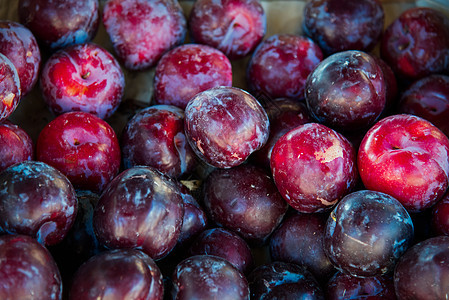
x=36 y=200
x=141 y=208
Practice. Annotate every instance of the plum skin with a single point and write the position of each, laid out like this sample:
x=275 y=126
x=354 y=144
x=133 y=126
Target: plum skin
x=397 y=151
x=27 y=269
x=37 y=200
x=141 y=208
x=366 y=233
x=313 y=167
x=346 y=91
x=224 y=125
x=121 y=272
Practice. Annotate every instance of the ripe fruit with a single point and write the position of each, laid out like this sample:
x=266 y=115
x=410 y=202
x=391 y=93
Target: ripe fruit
x=83 y=77
x=141 y=31
x=406 y=157
x=224 y=125
x=313 y=167
x=83 y=147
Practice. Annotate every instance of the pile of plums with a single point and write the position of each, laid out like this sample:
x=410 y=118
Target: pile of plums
x=325 y=178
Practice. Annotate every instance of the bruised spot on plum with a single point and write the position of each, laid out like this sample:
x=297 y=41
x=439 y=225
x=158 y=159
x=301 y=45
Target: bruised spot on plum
x=76 y=142
x=395 y=148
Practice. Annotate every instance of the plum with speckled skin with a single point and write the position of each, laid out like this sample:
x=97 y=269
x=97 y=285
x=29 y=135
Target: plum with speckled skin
x=343 y=286
x=53 y=22
x=226 y=244
x=15 y=145
x=234 y=27
x=244 y=199
x=416 y=44
x=344 y=25
x=367 y=232
x=208 y=277
x=83 y=77
x=299 y=239
x=36 y=200
x=20 y=46
x=141 y=208
x=281 y=280
x=313 y=167
x=346 y=91
x=423 y=271
x=83 y=147
x=28 y=270
x=10 y=90
x=141 y=31
x=118 y=274
x=187 y=70
x=155 y=137
x=406 y=157
x=224 y=125
x=428 y=98
x=280 y=65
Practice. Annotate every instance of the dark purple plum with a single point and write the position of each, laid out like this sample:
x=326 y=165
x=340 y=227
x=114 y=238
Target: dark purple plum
x=224 y=125
x=346 y=91
x=281 y=280
x=234 y=27
x=344 y=25
x=344 y=286
x=284 y=114
x=187 y=70
x=10 y=89
x=80 y=243
x=367 y=232
x=194 y=221
x=37 y=200
x=27 y=270
x=416 y=44
x=299 y=239
x=53 y=22
x=313 y=167
x=428 y=98
x=440 y=216
x=15 y=145
x=141 y=31
x=208 y=277
x=280 y=65
x=155 y=137
x=391 y=85
x=226 y=244
x=423 y=271
x=118 y=274
x=244 y=199
x=20 y=46
x=141 y=208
